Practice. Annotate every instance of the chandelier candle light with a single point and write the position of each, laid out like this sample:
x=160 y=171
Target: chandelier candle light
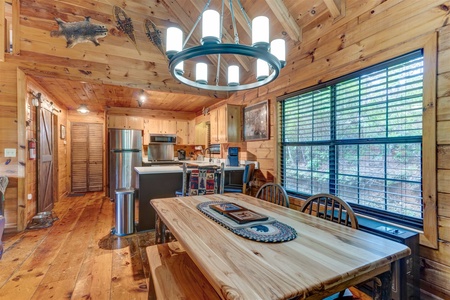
x=270 y=57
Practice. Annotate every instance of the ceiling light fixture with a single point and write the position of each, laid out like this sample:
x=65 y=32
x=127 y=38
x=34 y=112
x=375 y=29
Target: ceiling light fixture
x=83 y=109
x=268 y=59
x=141 y=99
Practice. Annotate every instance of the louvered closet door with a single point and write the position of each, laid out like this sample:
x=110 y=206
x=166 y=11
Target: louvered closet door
x=87 y=157
x=79 y=134
x=95 y=167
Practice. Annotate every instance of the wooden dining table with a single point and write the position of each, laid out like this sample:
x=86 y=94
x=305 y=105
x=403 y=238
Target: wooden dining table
x=323 y=259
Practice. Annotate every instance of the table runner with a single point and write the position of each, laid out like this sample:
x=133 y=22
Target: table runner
x=269 y=231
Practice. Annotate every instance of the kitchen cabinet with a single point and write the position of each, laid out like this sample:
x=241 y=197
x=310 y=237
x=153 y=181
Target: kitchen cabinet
x=158 y=126
x=125 y=122
x=201 y=134
x=182 y=132
x=191 y=140
x=226 y=124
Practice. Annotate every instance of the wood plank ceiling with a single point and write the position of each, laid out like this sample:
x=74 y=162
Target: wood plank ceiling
x=114 y=73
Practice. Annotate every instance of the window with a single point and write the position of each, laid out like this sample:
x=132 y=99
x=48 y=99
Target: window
x=359 y=137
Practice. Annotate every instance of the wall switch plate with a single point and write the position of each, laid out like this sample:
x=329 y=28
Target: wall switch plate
x=10 y=152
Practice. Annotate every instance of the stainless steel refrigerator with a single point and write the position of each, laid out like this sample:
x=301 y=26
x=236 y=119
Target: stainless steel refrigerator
x=125 y=153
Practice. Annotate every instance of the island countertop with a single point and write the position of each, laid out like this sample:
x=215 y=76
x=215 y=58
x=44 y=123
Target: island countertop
x=179 y=169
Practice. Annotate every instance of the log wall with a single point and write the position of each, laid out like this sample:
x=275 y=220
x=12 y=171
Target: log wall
x=371 y=32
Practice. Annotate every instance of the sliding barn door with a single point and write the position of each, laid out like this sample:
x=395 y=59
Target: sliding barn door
x=45 y=159
x=87 y=157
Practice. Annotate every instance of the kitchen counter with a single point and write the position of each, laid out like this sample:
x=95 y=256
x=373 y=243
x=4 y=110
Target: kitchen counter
x=163 y=181
x=179 y=169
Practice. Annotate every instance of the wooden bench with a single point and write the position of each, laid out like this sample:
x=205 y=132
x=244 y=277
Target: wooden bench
x=175 y=275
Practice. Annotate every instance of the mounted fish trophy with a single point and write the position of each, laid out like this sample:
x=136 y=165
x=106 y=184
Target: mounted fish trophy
x=79 y=32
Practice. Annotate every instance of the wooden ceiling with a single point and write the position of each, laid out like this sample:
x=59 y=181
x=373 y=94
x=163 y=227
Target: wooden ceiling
x=114 y=73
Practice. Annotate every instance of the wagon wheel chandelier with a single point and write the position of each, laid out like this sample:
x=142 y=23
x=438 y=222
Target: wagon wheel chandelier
x=270 y=57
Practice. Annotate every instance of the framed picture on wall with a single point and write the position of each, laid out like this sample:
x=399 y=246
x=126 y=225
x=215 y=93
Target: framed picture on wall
x=256 y=121
x=62 y=132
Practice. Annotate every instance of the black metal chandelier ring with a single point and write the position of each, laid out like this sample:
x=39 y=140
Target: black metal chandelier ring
x=236 y=49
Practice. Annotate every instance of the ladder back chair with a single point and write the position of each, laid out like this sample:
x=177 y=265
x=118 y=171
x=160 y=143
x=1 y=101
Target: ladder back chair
x=198 y=180
x=337 y=210
x=273 y=192
x=332 y=208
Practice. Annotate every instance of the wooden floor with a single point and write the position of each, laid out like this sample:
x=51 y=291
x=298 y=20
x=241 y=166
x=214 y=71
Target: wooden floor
x=77 y=257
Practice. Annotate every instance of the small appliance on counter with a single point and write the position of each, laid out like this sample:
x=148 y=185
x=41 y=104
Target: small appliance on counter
x=181 y=154
x=233 y=156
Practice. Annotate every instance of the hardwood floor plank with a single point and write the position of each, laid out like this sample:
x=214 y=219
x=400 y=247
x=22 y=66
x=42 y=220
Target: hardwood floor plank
x=76 y=258
x=30 y=274
x=19 y=247
x=64 y=270
x=94 y=280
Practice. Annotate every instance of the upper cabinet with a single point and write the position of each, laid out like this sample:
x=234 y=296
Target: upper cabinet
x=201 y=134
x=226 y=124
x=125 y=122
x=182 y=132
x=158 y=126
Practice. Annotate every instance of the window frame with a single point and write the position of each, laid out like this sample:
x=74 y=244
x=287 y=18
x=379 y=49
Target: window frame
x=429 y=235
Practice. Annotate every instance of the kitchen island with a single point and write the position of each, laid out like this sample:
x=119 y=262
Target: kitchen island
x=162 y=182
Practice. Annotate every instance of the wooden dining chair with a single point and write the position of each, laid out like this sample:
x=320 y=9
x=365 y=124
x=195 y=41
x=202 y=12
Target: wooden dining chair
x=273 y=192
x=332 y=208
x=246 y=178
x=337 y=210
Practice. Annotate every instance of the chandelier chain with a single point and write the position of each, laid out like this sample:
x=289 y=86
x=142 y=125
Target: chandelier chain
x=247 y=19
x=196 y=23
x=233 y=21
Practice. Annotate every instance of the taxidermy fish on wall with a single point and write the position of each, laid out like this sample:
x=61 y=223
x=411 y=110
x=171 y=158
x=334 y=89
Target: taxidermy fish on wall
x=79 y=32
x=154 y=35
x=125 y=24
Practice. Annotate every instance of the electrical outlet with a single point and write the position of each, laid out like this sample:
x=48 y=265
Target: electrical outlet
x=10 y=152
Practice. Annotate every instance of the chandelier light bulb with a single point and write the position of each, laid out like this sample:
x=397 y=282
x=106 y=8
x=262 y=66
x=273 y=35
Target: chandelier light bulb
x=174 y=41
x=278 y=49
x=233 y=75
x=260 y=32
x=262 y=69
x=210 y=27
x=201 y=73
x=218 y=40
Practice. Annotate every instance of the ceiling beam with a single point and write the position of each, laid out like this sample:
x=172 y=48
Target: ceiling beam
x=334 y=6
x=286 y=20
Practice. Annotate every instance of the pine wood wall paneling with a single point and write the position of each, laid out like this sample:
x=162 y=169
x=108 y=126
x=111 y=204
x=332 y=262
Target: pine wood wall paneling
x=2 y=30
x=9 y=139
x=375 y=44
x=22 y=151
x=150 y=113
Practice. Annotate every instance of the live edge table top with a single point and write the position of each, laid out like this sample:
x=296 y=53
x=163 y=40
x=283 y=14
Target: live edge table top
x=324 y=258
